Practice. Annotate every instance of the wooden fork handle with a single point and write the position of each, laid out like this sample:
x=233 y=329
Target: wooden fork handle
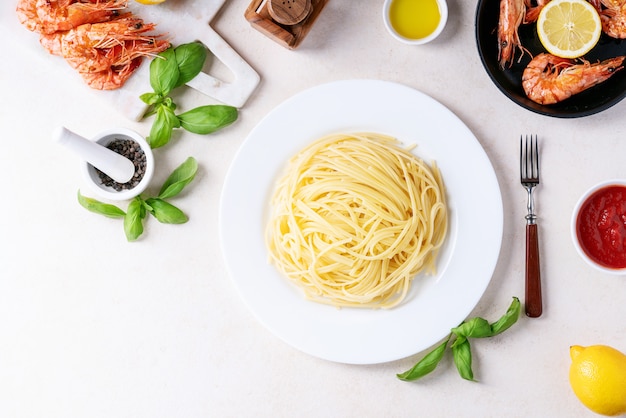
x=533 y=301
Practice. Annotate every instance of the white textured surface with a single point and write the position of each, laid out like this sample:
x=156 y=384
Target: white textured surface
x=93 y=326
x=183 y=22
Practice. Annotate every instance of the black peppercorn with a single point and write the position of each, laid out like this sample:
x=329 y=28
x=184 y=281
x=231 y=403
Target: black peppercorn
x=131 y=150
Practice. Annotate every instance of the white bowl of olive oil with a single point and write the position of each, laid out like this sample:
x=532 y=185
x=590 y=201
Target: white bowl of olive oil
x=415 y=22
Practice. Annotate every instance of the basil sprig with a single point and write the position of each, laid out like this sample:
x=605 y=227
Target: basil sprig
x=171 y=69
x=461 y=350
x=93 y=205
x=158 y=207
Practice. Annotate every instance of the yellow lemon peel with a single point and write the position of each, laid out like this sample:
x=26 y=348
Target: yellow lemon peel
x=598 y=377
x=569 y=28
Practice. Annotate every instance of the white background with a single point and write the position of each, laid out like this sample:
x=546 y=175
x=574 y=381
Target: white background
x=94 y=326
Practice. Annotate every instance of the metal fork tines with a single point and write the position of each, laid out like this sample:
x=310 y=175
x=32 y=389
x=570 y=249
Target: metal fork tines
x=529 y=173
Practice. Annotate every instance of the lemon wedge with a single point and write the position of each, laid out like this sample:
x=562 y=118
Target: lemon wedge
x=150 y=2
x=569 y=28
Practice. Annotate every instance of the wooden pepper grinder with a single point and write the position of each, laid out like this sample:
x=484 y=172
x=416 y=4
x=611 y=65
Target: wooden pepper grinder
x=284 y=21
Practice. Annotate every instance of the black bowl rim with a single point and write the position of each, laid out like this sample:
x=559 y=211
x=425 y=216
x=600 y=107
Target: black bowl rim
x=570 y=108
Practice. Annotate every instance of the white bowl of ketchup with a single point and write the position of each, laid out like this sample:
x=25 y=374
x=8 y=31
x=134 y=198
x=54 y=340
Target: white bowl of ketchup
x=599 y=226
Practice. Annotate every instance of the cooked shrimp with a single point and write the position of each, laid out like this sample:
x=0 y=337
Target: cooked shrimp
x=99 y=46
x=549 y=79
x=596 y=3
x=106 y=54
x=512 y=14
x=532 y=14
x=49 y=16
x=111 y=78
x=96 y=37
x=613 y=17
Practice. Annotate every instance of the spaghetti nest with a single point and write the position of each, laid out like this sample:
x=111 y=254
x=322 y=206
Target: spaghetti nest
x=354 y=218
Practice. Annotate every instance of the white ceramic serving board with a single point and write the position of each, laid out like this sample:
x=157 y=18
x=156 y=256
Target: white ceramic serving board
x=186 y=21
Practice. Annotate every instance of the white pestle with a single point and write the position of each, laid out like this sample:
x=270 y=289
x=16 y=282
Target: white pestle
x=116 y=166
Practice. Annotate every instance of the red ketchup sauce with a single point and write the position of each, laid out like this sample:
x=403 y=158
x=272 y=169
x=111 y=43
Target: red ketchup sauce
x=601 y=226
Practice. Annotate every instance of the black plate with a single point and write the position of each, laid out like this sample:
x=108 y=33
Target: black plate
x=509 y=80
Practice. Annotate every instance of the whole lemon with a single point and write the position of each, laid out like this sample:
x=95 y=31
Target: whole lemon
x=598 y=377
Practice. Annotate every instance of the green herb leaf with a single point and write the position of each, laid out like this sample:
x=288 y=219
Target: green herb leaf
x=170 y=69
x=462 y=355
x=166 y=212
x=426 y=364
x=167 y=101
x=133 y=221
x=207 y=119
x=474 y=328
x=101 y=208
x=164 y=72
x=151 y=98
x=190 y=59
x=508 y=319
x=180 y=177
x=153 y=101
x=162 y=127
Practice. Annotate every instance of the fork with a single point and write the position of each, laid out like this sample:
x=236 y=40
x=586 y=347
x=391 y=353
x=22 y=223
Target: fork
x=529 y=173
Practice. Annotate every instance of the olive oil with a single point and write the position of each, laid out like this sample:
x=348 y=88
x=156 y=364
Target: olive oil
x=414 y=19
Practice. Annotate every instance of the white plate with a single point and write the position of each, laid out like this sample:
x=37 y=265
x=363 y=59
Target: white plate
x=436 y=303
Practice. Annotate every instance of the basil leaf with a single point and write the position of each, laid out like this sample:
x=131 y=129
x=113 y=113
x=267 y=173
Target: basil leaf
x=508 y=319
x=165 y=212
x=96 y=206
x=133 y=221
x=180 y=177
x=162 y=127
x=151 y=98
x=474 y=328
x=168 y=102
x=462 y=355
x=207 y=119
x=426 y=364
x=190 y=59
x=164 y=72
x=461 y=351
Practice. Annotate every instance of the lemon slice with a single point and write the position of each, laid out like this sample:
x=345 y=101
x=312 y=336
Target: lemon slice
x=569 y=28
x=149 y=2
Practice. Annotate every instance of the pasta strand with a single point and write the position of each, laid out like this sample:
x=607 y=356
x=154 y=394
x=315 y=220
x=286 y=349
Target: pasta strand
x=354 y=218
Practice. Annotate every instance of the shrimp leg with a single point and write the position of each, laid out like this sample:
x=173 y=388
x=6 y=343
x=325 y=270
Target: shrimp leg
x=512 y=14
x=549 y=79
